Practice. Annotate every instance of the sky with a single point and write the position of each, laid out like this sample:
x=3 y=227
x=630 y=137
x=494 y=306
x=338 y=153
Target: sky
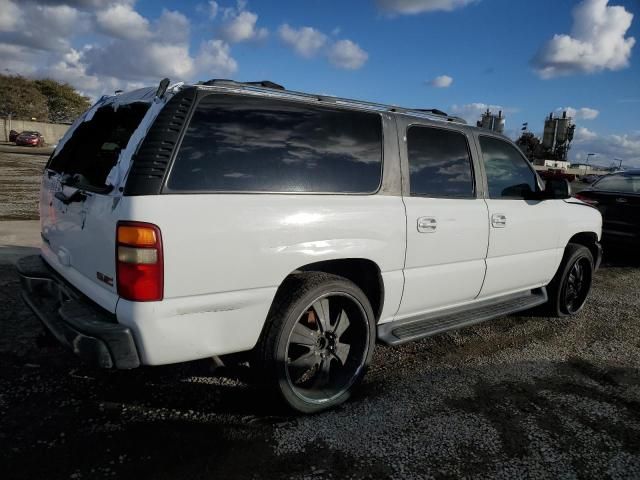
x=527 y=58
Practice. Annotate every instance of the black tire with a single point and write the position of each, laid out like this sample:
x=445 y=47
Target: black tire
x=560 y=289
x=341 y=350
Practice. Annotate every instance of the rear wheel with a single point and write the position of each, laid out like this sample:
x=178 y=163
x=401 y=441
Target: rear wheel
x=569 y=289
x=318 y=341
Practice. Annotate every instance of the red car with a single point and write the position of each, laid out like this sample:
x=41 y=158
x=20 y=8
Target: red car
x=30 y=138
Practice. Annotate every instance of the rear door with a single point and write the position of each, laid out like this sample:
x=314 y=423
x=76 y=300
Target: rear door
x=447 y=225
x=78 y=211
x=524 y=232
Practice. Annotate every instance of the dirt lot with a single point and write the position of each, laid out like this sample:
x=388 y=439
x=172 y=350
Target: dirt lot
x=20 y=177
x=519 y=397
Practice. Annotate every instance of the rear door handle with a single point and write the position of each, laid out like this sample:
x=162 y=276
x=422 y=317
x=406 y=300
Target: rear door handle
x=498 y=220
x=427 y=224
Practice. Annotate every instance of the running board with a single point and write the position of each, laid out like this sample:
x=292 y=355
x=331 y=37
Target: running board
x=406 y=330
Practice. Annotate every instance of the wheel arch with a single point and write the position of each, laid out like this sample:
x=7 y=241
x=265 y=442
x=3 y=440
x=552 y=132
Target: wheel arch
x=589 y=240
x=365 y=273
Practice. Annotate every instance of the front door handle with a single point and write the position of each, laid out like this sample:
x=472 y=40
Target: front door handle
x=427 y=224
x=498 y=220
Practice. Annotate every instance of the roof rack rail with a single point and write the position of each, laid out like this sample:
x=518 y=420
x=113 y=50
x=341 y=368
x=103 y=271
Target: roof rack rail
x=261 y=83
x=429 y=113
x=266 y=84
x=435 y=111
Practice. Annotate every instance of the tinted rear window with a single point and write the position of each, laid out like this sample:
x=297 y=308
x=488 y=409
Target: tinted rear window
x=439 y=163
x=619 y=183
x=243 y=144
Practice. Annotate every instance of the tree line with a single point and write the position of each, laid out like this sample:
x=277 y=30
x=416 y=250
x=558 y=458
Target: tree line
x=45 y=100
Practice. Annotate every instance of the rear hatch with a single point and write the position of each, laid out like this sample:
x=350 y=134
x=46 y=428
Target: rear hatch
x=81 y=189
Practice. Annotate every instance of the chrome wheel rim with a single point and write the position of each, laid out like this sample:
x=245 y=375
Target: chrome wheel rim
x=577 y=285
x=327 y=348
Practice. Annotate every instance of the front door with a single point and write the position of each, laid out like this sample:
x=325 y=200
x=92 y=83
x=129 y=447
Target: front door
x=447 y=224
x=523 y=240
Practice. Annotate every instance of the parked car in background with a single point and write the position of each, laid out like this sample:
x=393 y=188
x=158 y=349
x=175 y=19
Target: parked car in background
x=30 y=138
x=293 y=229
x=589 y=179
x=13 y=134
x=617 y=196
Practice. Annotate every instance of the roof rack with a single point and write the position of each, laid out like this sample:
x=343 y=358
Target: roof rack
x=281 y=91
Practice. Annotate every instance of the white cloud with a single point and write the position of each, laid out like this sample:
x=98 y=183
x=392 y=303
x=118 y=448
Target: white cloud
x=584 y=134
x=9 y=15
x=122 y=21
x=215 y=59
x=240 y=25
x=471 y=112
x=625 y=147
x=584 y=113
x=213 y=9
x=305 y=41
x=347 y=54
x=43 y=27
x=597 y=42
x=412 y=7
x=442 y=81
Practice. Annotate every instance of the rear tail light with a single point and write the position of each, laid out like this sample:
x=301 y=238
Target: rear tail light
x=140 y=269
x=586 y=199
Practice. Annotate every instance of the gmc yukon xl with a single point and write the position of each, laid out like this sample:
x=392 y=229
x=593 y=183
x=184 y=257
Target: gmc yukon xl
x=193 y=221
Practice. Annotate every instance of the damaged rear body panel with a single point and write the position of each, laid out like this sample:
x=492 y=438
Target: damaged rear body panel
x=81 y=198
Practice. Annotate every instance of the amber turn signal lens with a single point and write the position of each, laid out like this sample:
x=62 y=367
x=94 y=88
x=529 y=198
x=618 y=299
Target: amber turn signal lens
x=136 y=236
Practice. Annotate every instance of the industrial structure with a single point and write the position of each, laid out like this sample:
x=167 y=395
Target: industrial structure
x=491 y=121
x=557 y=135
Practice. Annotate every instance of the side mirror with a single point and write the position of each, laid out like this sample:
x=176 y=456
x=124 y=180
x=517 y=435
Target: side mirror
x=557 y=189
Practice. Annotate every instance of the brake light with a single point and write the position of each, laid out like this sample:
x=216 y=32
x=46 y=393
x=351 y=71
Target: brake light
x=140 y=269
x=586 y=199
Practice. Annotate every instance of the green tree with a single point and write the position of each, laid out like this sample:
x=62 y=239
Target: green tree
x=530 y=146
x=21 y=99
x=64 y=102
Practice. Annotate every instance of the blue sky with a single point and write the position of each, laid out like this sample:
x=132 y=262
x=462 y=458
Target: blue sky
x=527 y=57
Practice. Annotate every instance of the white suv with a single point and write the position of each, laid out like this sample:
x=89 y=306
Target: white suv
x=202 y=220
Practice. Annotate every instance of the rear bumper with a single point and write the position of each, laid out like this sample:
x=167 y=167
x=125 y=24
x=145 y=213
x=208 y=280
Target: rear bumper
x=82 y=326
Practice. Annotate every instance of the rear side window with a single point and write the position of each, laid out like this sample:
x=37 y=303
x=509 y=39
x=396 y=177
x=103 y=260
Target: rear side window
x=619 y=183
x=94 y=148
x=509 y=174
x=439 y=163
x=242 y=144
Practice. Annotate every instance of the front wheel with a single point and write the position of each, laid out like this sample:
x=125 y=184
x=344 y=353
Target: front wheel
x=318 y=341
x=569 y=289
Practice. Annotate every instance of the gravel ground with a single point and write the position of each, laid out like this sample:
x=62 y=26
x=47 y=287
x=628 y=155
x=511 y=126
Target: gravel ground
x=20 y=177
x=519 y=397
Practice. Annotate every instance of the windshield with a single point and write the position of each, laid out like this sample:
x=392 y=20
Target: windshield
x=619 y=183
x=93 y=149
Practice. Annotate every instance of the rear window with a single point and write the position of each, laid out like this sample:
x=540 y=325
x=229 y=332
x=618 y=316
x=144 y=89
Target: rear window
x=94 y=148
x=619 y=183
x=243 y=144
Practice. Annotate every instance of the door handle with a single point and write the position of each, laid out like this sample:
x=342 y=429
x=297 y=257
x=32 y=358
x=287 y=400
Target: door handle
x=498 y=220
x=427 y=224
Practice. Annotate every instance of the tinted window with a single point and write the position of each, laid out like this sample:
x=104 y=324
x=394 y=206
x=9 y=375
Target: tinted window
x=238 y=143
x=439 y=163
x=619 y=183
x=508 y=173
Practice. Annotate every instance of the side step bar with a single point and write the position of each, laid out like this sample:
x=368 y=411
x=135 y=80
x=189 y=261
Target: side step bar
x=406 y=330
